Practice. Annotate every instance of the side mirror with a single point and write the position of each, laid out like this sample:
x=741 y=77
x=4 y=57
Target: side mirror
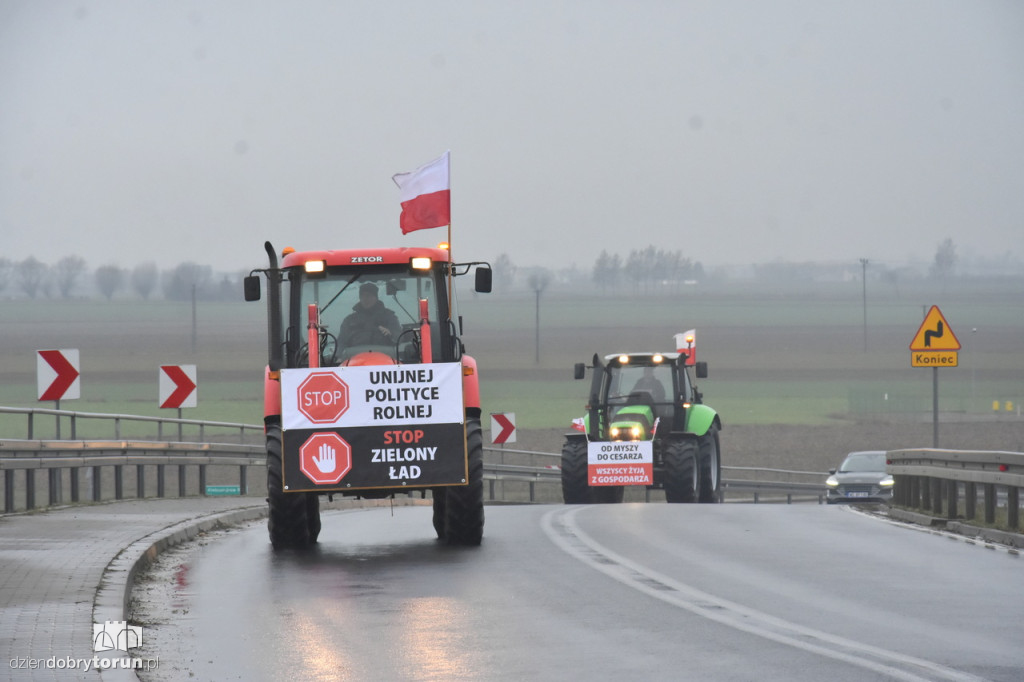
x=702 y=370
x=579 y=371
x=393 y=286
x=483 y=280
x=251 y=286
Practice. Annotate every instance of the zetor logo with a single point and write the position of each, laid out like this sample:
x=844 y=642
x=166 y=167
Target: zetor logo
x=325 y=458
x=323 y=397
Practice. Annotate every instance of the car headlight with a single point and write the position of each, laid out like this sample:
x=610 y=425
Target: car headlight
x=887 y=482
x=832 y=482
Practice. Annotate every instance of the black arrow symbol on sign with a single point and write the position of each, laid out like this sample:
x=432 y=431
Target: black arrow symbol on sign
x=930 y=334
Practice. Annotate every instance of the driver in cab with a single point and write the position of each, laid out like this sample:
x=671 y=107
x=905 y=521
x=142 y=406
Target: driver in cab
x=370 y=323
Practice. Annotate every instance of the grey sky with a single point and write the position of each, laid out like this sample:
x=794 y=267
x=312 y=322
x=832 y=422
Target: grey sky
x=742 y=131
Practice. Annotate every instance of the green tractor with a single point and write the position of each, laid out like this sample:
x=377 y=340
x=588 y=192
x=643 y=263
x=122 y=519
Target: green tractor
x=645 y=425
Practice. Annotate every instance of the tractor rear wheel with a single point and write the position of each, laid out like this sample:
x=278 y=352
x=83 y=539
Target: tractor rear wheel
x=710 y=466
x=464 y=505
x=682 y=474
x=574 y=472
x=287 y=519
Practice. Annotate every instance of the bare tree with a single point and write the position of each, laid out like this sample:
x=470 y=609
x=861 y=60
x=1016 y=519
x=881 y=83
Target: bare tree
x=945 y=260
x=109 y=279
x=504 y=272
x=31 y=274
x=5 y=273
x=67 y=271
x=607 y=270
x=144 y=279
x=182 y=281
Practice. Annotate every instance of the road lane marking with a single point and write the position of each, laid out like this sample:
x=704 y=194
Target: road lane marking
x=561 y=528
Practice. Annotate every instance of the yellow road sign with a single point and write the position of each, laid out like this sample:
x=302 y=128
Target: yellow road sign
x=935 y=334
x=935 y=358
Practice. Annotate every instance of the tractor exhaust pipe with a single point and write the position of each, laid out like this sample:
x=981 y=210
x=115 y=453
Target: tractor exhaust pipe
x=274 y=326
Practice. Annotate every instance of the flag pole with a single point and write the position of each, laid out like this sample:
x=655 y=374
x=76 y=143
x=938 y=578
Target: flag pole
x=451 y=259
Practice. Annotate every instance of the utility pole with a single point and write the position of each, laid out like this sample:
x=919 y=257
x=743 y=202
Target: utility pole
x=864 y=284
x=538 y=282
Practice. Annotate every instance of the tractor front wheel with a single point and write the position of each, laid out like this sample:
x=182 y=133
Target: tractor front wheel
x=464 y=505
x=682 y=473
x=710 y=466
x=574 y=472
x=288 y=517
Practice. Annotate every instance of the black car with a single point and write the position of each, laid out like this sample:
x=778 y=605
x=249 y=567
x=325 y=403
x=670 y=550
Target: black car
x=860 y=478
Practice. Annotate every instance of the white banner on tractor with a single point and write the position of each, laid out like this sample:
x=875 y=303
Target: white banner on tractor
x=628 y=462
x=395 y=395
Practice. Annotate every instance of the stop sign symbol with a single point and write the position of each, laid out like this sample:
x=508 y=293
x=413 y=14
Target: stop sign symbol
x=325 y=458
x=323 y=397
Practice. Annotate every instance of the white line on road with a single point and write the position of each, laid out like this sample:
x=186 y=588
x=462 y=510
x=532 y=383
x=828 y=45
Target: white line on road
x=561 y=527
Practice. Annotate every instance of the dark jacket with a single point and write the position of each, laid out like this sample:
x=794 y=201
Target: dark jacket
x=362 y=327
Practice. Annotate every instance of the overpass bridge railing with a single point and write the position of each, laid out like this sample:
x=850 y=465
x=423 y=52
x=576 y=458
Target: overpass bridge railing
x=948 y=483
x=149 y=457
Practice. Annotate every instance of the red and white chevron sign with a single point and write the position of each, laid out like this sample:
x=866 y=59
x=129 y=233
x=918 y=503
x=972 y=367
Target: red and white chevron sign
x=58 y=374
x=503 y=427
x=178 y=386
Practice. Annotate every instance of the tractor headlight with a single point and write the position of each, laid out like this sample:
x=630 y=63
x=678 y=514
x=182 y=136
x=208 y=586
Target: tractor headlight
x=636 y=432
x=420 y=263
x=614 y=432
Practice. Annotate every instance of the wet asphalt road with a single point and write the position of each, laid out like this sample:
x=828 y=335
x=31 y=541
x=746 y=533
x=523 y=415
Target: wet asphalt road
x=714 y=592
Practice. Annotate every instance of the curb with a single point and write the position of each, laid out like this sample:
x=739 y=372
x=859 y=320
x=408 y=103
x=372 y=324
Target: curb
x=991 y=535
x=114 y=594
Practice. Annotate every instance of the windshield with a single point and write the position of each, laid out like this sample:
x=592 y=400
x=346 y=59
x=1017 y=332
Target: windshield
x=364 y=309
x=863 y=461
x=652 y=383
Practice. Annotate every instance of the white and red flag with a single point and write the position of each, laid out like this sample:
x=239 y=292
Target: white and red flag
x=425 y=194
x=686 y=344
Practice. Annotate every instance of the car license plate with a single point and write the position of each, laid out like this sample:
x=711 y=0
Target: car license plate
x=856 y=494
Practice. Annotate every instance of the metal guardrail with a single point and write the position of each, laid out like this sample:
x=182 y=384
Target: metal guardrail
x=64 y=460
x=749 y=479
x=936 y=480
x=32 y=424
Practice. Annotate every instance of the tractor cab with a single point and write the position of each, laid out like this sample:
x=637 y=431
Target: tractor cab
x=639 y=395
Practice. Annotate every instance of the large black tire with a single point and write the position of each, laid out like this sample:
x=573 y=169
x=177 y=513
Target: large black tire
x=574 y=472
x=710 y=466
x=287 y=519
x=464 y=505
x=682 y=475
x=440 y=498
x=313 y=516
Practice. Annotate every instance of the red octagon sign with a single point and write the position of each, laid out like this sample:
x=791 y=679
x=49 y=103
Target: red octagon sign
x=325 y=458
x=323 y=397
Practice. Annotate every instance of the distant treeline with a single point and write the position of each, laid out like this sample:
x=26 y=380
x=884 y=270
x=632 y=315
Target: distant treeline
x=646 y=271
x=70 y=278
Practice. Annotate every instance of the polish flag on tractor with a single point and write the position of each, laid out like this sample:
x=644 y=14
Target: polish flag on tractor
x=686 y=344
x=425 y=194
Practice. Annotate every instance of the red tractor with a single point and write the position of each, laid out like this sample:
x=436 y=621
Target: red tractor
x=368 y=391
